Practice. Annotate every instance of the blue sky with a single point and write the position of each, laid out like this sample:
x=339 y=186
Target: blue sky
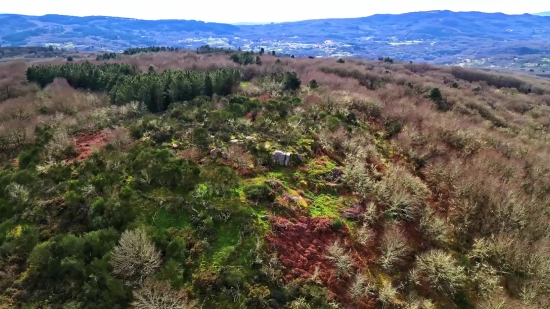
x=230 y=11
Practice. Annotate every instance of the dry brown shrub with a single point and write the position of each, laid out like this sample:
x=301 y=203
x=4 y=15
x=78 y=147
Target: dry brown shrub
x=191 y=154
x=13 y=69
x=12 y=88
x=419 y=68
x=331 y=82
x=333 y=141
x=15 y=134
x=21 y=108
x=120 y=138
x=239 y=156
x=402 y=194
x=59 y=96
x=160 y=295
x=180 y=61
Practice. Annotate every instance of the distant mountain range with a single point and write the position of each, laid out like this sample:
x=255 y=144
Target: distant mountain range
x=437 y=36
x=252 y=23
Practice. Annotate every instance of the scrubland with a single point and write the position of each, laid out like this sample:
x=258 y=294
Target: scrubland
x=409 y=186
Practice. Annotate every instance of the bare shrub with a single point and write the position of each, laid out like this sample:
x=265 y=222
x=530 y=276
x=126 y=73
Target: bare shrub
x=160 y=295
x=433 y=227
x=441 y=176
x=420 y=67
x=120 y=138
x=500 y=299
x=461 y=140
x=485 y=278
x=18 y=193
x=365 y=235
x=343 y=261
x=8 y=275
x=251 y=90
x=361 y=286
x=15 y=134
x=358 y=174
x=440 y=271
x=491 y=79
x=393 y=247
x=388 y=294
x=239 y=156
x=191 y=154
x=357 y=177
x=333 y=140
x=300 y=303
x=45 y=167
x=135 y=257
x=122 y=112
x=371 y=214
x=21 y=108
x=271 y=87
x=59 y=142
x=61 y=97
x=402 y=193
x=415 y=302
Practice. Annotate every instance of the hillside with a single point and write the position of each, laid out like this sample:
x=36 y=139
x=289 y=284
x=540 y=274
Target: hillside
x=440 y=36
x=183 y=180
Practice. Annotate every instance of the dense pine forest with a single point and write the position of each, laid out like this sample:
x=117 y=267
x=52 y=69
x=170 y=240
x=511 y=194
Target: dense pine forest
x=163 y=178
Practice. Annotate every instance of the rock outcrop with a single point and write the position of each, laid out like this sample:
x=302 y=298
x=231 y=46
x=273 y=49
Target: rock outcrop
x=281 y=158
x=285 y=158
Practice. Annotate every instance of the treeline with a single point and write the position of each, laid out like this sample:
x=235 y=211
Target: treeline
x=207 y=49
x=245 y=58
x=106 y=56
x=150 y=49
x=123 y=83
x=84 y=75
x=497 y=80
x=158 y=90
x=289 y=80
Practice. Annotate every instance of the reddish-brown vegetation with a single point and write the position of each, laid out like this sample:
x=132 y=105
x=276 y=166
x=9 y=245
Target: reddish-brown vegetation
x=87 y=143
x=191 y=154
x=302 y=244
x=264 y=97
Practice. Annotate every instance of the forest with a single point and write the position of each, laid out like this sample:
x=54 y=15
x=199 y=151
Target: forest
x=177 y=179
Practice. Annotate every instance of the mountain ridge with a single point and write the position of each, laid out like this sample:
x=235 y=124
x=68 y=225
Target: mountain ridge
x=426 y=36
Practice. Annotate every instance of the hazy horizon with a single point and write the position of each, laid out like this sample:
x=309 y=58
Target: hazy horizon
x=242 y=11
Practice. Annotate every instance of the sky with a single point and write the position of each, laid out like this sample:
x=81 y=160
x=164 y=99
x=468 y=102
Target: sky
x=233 y=11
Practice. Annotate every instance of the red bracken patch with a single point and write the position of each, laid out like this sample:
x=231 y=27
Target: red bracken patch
x=311 y=100
x=251 y=117
x=85 y=143
x=302 y=244
x=264 y=97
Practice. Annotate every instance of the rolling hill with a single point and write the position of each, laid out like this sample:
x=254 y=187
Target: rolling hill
x=174 y=179
x=437 y=36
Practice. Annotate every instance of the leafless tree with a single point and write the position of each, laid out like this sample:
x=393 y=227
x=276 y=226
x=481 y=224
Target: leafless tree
x=159 y=295
x=135 y=257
